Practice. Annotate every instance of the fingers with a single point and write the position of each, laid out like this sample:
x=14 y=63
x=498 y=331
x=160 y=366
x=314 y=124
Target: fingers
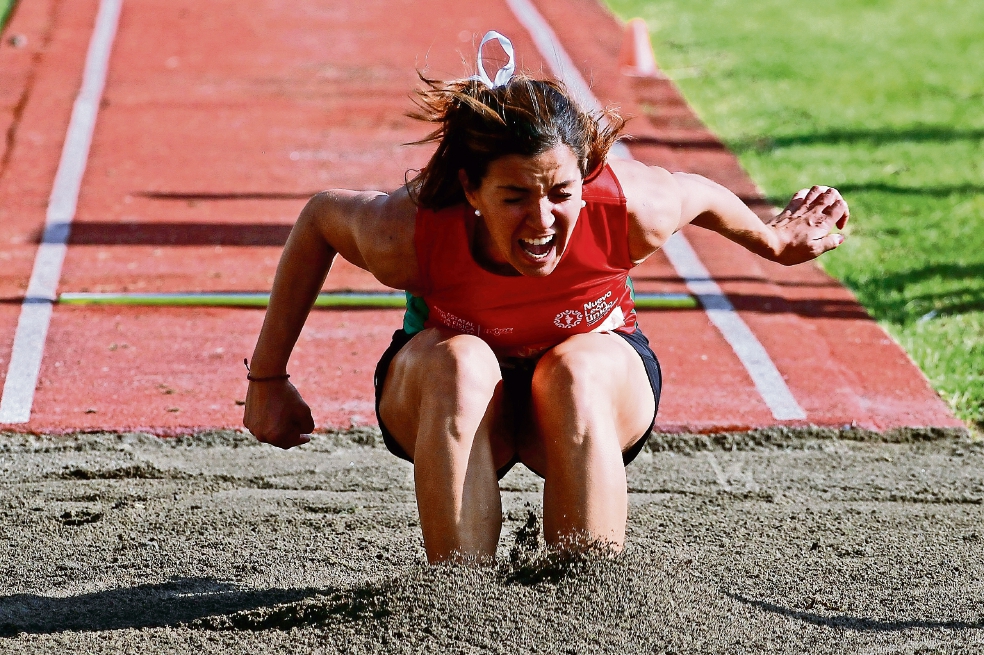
x=794 y=204
x=813 y=194
x=826 y=204
x=837 y=211
x=845 y=213
x=291 y=441
x=286 y=439
x=805 y=200
x=835 y=207
x=829 y=242
x=305 y=423
x=798 y=199
x=296 y=433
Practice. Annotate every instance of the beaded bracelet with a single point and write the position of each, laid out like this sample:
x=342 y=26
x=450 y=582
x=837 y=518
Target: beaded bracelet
x=269 y=378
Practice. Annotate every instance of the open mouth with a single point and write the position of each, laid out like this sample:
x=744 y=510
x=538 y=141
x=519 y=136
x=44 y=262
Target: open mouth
x=537 y=248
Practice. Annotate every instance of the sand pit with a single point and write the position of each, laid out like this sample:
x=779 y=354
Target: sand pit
x=214 y=543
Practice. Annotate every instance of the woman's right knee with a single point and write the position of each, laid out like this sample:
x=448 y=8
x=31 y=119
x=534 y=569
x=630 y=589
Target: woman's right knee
x=436 y=368
x=460 y=364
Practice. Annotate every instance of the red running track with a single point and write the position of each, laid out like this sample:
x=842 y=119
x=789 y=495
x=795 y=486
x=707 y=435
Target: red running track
x=218 y=119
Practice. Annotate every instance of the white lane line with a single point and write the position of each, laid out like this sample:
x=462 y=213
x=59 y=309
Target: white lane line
x=766 y=377
x=561 y=65
x=736 y=332
x=35 y=316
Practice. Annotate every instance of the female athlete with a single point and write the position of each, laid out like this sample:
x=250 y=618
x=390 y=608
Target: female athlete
x=520 y=341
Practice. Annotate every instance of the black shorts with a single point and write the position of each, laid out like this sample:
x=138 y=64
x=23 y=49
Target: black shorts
x=517 y=381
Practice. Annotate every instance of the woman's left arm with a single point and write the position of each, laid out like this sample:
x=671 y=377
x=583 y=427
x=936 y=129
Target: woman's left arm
x=661 y=203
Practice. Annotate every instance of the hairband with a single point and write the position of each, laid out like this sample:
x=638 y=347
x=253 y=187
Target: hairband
x=503 y=75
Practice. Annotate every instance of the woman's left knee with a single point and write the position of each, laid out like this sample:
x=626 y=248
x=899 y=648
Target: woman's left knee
x=591 y=386
x=571 y=394
x=573 y=369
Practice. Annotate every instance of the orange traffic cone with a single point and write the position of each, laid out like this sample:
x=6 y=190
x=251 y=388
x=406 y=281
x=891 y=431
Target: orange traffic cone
x=637 y=58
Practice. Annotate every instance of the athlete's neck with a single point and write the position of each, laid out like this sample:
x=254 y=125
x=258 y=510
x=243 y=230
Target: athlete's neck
x=482 y=249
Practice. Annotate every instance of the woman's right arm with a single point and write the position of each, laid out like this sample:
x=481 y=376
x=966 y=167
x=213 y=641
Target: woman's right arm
x=373 y=231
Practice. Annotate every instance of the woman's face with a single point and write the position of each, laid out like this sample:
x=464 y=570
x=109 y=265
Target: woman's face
x=529 y=206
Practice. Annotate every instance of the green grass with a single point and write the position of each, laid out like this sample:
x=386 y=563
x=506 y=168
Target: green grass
x=5 y=7
x=883 y=99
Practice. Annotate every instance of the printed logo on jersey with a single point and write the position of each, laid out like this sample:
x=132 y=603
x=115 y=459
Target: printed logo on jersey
x=467 y=327
x=455 y=322
x=568 y=319
x=497 y=332
x=597 y=310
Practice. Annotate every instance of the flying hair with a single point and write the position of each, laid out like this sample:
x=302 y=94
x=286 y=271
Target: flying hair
x=477 y=123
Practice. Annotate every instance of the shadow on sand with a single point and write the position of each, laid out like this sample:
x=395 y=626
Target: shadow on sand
x=859 y=623
x=178 y=601
x=418 y=594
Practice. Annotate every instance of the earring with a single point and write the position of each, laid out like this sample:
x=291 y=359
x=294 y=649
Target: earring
x=584 y=203
x=478 y=213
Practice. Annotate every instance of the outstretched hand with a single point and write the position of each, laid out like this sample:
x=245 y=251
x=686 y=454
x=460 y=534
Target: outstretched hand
x=804 y=227
x=276 y=414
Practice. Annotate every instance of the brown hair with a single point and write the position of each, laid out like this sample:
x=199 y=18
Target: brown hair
x=477 y=124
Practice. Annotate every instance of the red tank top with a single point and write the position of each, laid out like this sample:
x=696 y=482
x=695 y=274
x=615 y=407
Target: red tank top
x=520 y=316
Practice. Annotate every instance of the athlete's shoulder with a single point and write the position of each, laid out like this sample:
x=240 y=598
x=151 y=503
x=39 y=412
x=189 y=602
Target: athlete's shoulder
x=373 y=230
x=653 y=202
x=636 y=178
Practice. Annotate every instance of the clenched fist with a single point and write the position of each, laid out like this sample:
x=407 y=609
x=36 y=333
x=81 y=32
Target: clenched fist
x=276 y=414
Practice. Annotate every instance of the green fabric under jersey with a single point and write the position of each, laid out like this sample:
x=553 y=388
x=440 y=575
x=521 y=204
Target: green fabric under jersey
x=416 y=314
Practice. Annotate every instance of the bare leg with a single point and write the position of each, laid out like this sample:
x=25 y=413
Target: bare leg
x=591 y=400
x=442 y=403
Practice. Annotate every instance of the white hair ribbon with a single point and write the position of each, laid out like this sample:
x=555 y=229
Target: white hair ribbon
x=504 y=73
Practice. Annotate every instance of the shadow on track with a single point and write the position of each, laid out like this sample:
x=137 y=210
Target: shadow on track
x=178 y=234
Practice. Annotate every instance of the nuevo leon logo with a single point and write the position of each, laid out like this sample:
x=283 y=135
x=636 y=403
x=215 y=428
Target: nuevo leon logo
x=568 y=319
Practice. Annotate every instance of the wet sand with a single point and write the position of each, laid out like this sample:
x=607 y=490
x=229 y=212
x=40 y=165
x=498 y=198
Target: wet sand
x=770 y=543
